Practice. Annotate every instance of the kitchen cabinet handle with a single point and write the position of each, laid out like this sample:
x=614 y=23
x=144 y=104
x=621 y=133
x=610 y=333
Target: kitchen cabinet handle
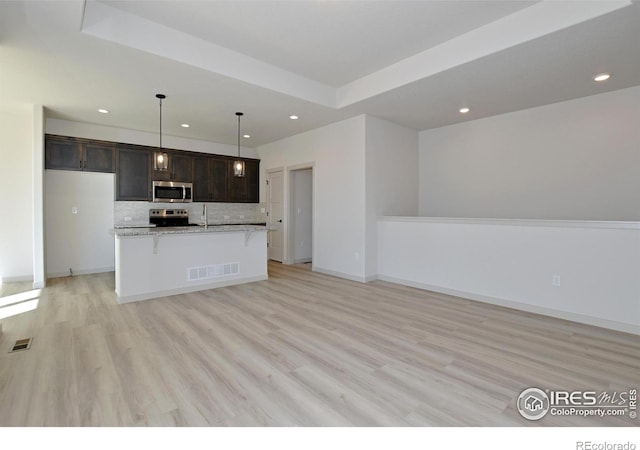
x=280 y=221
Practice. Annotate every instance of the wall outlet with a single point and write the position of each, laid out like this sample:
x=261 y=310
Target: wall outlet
x=128 y=219
x=74 y=210
x=241 y=216
x=226 y=217
x=555 y=280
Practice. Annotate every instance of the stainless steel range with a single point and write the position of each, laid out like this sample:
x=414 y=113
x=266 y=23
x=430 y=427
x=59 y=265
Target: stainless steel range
x=170 y=218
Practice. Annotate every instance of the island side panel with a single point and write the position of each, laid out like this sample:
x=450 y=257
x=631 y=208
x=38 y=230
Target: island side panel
x=145 y=270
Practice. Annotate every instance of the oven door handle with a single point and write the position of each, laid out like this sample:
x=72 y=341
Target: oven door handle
x=184 y=193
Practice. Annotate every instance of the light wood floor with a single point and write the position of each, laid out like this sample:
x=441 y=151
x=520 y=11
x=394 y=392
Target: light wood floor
x=299 y=349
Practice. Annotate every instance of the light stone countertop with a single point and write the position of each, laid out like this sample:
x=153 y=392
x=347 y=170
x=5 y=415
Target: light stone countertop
x=154 y=231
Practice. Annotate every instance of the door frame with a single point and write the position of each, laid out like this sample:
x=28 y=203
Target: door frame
x=290 y=213
x=285 y=225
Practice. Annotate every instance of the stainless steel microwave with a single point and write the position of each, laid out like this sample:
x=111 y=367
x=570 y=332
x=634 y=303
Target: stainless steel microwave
x=172 y=192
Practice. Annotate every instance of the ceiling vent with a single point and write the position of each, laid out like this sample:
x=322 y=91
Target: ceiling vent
x=21 y=344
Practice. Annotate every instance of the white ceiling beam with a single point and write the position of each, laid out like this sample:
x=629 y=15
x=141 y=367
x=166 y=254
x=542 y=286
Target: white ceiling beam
x=111 y=24
x=545 y=17
x=530 y=23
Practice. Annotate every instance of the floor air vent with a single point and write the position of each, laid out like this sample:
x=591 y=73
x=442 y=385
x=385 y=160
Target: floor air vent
x=214 y=271
x=21 y=344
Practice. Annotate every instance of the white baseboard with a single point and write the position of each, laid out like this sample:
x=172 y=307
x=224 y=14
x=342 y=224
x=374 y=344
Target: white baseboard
x=186 y=290
x=81 y=272
x=17 y=279
x=346 y=276
x=573 y=317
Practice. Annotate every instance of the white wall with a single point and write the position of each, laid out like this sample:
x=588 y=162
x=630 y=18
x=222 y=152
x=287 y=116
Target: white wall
x=302 y=195
x=79 y=241
x=572 y=160
x=16 y=195
x=103 y=133
x=337 y=151
x=391 y=179
x=365 y=167
x=513 y=263
x=37 y=206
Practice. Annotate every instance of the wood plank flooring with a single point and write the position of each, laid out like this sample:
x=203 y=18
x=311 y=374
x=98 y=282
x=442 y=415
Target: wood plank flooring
x=300 y=349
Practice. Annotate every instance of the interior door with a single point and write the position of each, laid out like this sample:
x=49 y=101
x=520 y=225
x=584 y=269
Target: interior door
x=276 y=216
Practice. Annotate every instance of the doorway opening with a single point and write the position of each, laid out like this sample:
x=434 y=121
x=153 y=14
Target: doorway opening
x=301 y=216
x=275 y=208
x=290 y=214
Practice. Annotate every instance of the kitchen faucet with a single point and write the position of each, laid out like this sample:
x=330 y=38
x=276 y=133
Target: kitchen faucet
x=204 y=214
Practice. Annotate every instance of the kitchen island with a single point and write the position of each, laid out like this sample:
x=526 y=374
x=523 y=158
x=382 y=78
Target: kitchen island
x=157 y=262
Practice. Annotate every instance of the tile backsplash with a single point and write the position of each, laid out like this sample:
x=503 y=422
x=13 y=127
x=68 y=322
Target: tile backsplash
x=137 y=213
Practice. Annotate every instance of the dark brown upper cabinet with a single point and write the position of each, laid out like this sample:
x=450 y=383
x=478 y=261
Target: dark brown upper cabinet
x=201 y=177
x=210 y=175
x=180 y=168
x=245 y=189
x=213 y=180
x=220 y=172
x=133 y=174
x=252 y=175
x=66 y=153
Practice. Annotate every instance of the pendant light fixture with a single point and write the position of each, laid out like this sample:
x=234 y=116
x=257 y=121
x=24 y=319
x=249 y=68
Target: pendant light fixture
x=160 y=158
x=238 y=165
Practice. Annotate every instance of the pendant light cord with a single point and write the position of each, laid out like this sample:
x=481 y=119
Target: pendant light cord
x=160 y=97
x=160 y=124
x=239 y=114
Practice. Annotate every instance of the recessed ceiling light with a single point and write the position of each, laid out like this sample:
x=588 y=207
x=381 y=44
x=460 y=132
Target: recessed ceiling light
x=246 y=136
x=293 y=117
x=464 y=110
x=602 y=77
x=185 y=125
x=103 y=111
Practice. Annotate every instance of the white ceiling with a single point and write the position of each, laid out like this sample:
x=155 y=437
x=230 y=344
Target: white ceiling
x=414 y=63
x=331 y=42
